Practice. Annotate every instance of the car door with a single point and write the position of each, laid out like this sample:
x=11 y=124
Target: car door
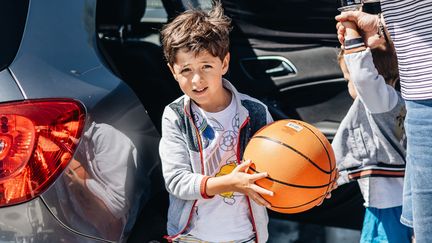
x=284 y=52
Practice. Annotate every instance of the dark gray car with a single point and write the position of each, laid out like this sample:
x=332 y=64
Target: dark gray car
x=77 y=148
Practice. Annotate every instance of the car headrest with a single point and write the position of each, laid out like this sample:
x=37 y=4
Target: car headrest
x=120 y=12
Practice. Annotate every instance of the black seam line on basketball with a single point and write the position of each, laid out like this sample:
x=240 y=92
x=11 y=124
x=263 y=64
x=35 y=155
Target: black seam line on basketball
x=301 y=205
x=295 y=150
x=289 y=184
x=328 y=156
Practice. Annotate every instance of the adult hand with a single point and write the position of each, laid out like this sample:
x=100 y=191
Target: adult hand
x=245 y=183
x=368 y=24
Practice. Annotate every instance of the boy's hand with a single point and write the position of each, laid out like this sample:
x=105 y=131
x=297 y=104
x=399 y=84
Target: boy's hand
x=245 y=183
x=334 y=186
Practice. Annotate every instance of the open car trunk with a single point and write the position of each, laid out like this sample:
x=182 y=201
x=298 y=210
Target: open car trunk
x=283 y=52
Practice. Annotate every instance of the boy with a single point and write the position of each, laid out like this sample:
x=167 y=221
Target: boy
x=204 y=133
x=370 y=143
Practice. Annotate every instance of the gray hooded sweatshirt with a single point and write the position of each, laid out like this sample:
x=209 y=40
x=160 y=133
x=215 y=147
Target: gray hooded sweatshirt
x=370 y=143
x=182 y=159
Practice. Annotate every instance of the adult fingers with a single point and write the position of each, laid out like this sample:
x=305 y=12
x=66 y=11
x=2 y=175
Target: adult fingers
x=261 y=190
x=348 y=16
x=374 y=41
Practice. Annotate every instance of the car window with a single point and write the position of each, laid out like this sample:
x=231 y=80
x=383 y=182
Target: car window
x=156 y=13
x=12 y=20
x=298 y=18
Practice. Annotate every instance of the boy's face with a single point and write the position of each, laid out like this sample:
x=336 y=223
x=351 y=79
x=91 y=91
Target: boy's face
x=351 y=89
x=200 y=77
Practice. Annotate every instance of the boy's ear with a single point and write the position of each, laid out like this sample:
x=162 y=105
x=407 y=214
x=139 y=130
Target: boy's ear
x=172 y=71
x=225 y=63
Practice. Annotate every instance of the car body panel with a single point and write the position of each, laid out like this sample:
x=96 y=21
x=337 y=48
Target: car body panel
x=59 y=58
x=9 y=89
x=62 y=53
x=32 y=222
x=307 y=84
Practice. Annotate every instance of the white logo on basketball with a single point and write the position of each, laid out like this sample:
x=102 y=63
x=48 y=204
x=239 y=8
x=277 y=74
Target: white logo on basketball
x=294 y=126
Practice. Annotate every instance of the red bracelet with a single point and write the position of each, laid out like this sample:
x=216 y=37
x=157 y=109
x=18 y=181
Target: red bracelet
x=203 y=188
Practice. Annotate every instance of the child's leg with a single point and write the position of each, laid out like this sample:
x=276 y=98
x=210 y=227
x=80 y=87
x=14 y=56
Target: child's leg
x=383 y=225
x=370 y=227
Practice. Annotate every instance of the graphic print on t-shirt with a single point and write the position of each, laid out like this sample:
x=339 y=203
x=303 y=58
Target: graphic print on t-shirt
x=219 y=135
x=228 y=197
x=217 y=126
x=206 y=131
x=236 y=123
x=226 y=216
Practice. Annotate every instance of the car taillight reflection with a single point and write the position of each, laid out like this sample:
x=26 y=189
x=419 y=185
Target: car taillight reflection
x=37 y=141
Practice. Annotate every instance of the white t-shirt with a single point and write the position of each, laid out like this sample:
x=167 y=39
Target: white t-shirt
x=226 y=216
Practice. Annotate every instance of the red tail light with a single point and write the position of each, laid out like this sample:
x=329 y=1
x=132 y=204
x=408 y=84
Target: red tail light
x=37 y=141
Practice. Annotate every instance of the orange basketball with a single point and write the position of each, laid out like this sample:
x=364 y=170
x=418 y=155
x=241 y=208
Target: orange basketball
x=300 y=163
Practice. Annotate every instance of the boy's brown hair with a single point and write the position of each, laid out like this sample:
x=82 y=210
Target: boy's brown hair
x=385 y=60
x=196 y=31
x=386 y=63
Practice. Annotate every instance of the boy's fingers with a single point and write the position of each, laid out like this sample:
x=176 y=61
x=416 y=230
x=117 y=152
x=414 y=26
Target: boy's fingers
x=327 y=196
x=261 y=190
x=341 y=39
x=258 y=176
x=335 y=185
x=339 y=26
x=340 y=32
x=242 y=167
x=341 y=29
x=258 y=199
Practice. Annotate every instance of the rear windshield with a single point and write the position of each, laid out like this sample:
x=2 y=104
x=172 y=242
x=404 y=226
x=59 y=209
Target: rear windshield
x=12 y=19
x=285 y=18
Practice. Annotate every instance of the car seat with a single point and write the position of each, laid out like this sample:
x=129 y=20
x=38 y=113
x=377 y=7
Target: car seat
x=139 y=62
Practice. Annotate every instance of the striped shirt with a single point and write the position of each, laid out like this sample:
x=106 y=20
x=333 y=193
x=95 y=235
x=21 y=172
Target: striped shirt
x=409 y=23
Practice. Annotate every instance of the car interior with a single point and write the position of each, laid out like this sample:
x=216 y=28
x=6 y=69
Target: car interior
x=283 y=52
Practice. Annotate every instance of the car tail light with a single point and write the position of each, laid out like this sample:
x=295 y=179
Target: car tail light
x=37 y=141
